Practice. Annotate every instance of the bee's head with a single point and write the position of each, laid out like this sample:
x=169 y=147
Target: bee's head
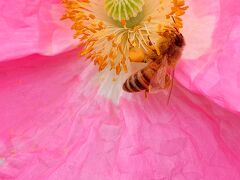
x=179 y=40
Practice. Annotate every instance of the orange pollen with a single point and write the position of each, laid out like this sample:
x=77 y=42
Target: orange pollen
x=112 y=45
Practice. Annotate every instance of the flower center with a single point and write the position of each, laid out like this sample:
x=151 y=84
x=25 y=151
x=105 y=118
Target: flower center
x=109 y=29
x=130 y=11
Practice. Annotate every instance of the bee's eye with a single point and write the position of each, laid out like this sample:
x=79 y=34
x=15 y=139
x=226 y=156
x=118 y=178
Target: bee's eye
x=179 y=41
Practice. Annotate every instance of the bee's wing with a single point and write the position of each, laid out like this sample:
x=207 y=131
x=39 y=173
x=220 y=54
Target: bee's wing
x=161 y=79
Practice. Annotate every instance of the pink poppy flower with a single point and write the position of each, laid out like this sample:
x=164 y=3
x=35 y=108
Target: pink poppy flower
x=56 y=123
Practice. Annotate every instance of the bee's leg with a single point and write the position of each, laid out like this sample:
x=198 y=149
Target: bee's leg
x=152 y=47
x=148 y=90
x=146 y=93
x=147 y=60
x=150 y=43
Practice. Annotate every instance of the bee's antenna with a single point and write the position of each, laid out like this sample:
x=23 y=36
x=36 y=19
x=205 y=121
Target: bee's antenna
x=174 y=23
x=173 y=19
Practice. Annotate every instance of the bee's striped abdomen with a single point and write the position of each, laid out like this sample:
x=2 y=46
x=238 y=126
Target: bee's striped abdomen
x=135 y=83
x=140 y=80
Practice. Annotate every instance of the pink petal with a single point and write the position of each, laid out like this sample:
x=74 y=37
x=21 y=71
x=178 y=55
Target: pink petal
x=216 y=73
x=54 y=127
x=51 y=128
x=29 y=27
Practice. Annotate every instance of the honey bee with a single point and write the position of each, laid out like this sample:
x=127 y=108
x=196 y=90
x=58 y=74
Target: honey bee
x=157 y=73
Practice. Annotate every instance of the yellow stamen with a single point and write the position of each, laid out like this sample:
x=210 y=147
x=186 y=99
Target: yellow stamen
x=109 y=43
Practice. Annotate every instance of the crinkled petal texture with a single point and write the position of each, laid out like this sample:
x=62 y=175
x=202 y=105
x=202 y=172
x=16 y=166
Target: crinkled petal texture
x=211 y=65
x=32 y=26
x=54 y=126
